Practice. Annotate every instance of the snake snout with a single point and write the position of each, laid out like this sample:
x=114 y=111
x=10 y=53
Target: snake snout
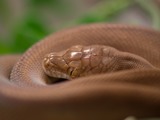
x=55 y=66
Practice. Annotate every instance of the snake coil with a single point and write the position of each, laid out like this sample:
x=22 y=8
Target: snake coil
x=27 y=93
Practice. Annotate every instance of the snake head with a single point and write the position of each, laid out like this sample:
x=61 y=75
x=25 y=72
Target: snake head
x=55 y=66
x=65 y=64
x=74 y=62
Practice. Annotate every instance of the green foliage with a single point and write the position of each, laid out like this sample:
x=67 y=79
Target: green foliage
x=27 y=33
x=33 y=27
x=4 y=48
x=152 y=10
x=59 y=6
x=4 y=10
x=105 y=11
x=42 y=2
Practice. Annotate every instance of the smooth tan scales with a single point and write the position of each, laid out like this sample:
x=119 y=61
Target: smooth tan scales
x=129 y=88
x=79 y=61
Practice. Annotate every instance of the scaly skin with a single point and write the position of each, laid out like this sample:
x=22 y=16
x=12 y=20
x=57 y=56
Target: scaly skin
x=27 y=93
x=79 y=61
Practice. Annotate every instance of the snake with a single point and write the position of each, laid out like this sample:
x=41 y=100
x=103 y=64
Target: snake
x=89 y=72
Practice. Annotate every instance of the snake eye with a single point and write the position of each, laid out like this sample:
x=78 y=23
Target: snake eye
x=73 y=72
x=69 y=71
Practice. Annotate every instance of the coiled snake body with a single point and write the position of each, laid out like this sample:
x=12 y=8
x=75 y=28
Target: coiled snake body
x=123 y=82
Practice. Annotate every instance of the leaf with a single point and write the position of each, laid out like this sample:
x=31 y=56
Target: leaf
x=4 y=48
x=104 y=11
x=27 y=33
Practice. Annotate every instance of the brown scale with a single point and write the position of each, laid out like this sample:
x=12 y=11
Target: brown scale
x=79 y=61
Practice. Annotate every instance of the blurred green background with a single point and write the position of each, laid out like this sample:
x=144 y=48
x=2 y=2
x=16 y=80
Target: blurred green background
x=24 y=22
